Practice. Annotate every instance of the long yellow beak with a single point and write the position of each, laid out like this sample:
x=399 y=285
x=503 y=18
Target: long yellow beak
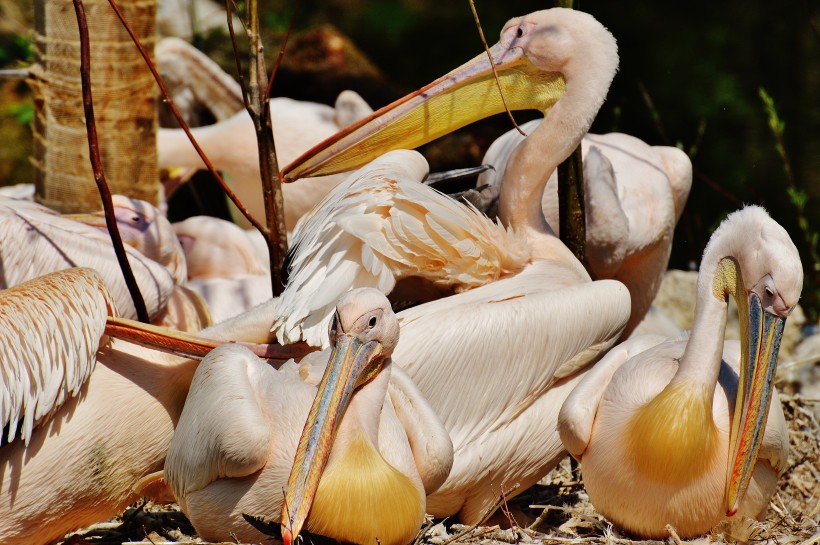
x=761 y=343
x=463 y=96
x=348 y=368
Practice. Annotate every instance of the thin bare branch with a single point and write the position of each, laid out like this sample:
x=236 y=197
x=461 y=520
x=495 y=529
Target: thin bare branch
x=97 y=166
x=492 y=64
x=258 y=106
x=230 y=5
x=167 y=98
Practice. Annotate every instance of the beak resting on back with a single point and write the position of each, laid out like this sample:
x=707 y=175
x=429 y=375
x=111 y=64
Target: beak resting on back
x=760 y=338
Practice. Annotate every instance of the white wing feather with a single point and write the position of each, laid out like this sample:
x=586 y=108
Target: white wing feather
x=50 y=329
x=382 y=225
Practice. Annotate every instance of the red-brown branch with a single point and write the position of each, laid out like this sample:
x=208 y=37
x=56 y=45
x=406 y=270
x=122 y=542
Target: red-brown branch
x=97 y=167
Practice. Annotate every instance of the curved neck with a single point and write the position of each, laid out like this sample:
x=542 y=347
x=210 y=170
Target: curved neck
x=719 y=277
x=537 y=156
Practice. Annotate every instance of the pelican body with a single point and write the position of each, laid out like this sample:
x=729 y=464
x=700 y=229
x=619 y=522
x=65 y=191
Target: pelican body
x=37 y=241
x=634 y=195
x=93 y=419
x=523 y=330
x=683 y=432
x=298 y=125
x=359 y=470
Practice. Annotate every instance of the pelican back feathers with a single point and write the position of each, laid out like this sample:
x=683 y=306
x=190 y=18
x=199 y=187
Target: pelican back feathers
x=382 y=225
x=39 y=370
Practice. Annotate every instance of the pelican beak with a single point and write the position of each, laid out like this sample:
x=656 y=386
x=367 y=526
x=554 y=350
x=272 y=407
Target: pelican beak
x=350 y=366
x=189 y=345
x=760 y=344
x=463 y=96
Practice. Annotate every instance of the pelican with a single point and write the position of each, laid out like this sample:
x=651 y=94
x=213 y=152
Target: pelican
x=81 y=426
x=144 y=227
x=370 y=450
x=37 y=241
x=297 y=126
x=683 y=432
x=522 y=339
x=634 y=196
x=381 y=227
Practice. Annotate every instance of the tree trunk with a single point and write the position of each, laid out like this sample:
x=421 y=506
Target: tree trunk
x=124 y=102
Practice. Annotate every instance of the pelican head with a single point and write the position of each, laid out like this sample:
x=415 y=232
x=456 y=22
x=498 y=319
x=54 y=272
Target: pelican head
x=144 y=227
x=363 y=333
x=537 y=58
x=766 y=277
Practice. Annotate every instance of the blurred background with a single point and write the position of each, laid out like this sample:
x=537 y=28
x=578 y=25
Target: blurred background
x=734 y=84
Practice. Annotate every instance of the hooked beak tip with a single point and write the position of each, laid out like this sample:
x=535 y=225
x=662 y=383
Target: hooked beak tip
x=287 y=536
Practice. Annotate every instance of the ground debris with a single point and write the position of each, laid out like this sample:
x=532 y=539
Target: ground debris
x=556 y=511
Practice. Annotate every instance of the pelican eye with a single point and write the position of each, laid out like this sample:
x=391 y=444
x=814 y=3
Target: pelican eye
x=520 y=32
x=769 y=291
x=372 y=322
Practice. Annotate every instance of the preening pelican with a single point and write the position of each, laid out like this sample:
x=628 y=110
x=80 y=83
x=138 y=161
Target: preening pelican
x=37 y=241
x=522 y=339
x=231 y=147
x=674 y=431
x=381 y=227
x=634 y=196
x=367 y=456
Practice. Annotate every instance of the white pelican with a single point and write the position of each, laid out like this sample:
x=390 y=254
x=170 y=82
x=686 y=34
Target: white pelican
x=86 y=433
x=381 y=227
x=370 y=451
x=77 y=436
x=673 y=431
x=634 y=196
x=231 y=147
x=522 y=339
x=36 y=241
x=144 y=227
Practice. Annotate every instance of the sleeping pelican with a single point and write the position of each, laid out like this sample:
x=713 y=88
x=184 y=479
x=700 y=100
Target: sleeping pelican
x=634 y=195
x=144 y=227
x=683 y=432
x=524 y=338
x=370 y=451
x=36 y=241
